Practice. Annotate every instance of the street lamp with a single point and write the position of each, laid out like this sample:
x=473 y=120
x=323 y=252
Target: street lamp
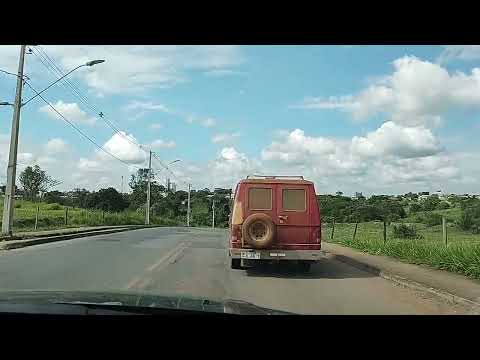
x=88 y=63
x=7 y=220
x=173 y=162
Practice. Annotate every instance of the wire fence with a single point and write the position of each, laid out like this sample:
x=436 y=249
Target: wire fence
x=378 y=231
x=57 y=217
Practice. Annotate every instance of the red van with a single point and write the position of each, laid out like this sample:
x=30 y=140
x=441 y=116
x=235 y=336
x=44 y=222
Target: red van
x=275 y=218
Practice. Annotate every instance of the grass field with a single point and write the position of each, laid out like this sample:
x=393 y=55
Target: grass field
x=52 y=216
x=461 y=255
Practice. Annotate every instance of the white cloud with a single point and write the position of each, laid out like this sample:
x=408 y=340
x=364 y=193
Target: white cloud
x=45 y=160
x=296 y=146
x=88 y=165
x=208 y=122
x=132 y=69
x=162 y=144
x=24 y=157
x=384 y=158
x=222 y=72
x=224 y=138
x=396 y=140
x=123 y=149
x=156 y=126
x=229 y=167
x=145 y=105
x=55 y=145
x=71 y=111
x=416 y=93
x=462 y=52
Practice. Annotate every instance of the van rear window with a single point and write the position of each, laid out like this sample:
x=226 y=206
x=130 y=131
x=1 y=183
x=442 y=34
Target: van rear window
x=260 y=199
x=294 y=199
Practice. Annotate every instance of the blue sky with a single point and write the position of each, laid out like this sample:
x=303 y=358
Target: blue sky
x=377 y=119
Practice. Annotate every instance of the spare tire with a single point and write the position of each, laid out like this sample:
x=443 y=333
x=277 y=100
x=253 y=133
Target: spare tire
x=259 y=231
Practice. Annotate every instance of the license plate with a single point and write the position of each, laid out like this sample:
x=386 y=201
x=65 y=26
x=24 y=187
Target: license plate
x=250 y=255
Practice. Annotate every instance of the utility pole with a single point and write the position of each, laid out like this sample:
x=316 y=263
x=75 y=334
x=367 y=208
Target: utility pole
x=7 y=220
x=122 y=184
x=147 y=211
x=188 y=206
x=213 y=213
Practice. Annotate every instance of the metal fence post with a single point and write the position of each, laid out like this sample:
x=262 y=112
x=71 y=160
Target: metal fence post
x=36 y=217
x=444 y=230
x=355 y=232
x=333 y=228
x=384 y=232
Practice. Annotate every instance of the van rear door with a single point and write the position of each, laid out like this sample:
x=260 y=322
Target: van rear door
x=293 y=216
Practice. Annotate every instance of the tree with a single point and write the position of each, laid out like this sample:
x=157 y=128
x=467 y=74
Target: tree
x=430 y=203
x=443 y=205
x=106 y=199
x=34 y=180
x=140 y=179
x=53 y=197
x=415 y=207
x=79 y=197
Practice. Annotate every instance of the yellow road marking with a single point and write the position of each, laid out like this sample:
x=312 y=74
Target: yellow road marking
x=142 y=281
x=166 y=257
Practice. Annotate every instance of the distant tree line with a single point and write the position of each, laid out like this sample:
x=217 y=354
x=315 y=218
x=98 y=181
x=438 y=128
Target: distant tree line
x=394 y=208
x=346 y=209
x=164 y=203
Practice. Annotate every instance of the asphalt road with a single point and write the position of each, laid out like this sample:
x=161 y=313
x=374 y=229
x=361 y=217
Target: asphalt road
x=194 y=262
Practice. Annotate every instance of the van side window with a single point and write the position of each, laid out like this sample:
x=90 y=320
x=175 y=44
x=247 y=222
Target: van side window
x=294 y=200
x=260 y=199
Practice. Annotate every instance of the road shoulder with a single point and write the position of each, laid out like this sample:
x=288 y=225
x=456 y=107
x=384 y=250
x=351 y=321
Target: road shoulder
x=452 y=287
x=31 y=239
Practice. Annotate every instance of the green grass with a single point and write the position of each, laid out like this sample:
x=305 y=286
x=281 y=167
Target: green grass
x=461 y=255
x=52 y=216
x=451 y=215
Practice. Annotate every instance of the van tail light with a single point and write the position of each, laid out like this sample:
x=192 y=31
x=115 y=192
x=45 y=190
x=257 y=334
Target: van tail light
x=317 y=235
x=236 y=236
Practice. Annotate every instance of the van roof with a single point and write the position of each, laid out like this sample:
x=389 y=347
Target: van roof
x=275 y=181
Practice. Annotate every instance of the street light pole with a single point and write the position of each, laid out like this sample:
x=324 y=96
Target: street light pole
x=89 y=63
x=7 y=220
x=147 y=211
x=213 y=213
x=188 y=206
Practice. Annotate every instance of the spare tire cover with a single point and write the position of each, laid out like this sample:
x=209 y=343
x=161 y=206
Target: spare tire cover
x=259 y=231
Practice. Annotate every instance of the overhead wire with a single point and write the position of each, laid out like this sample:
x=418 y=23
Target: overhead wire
x=78 y=129
x=50 y=65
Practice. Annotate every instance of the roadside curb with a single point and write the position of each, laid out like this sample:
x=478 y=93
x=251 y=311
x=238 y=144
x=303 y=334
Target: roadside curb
x=16 y=244
x=408 y=283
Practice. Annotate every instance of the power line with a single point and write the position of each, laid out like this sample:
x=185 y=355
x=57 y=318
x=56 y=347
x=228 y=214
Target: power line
x=54 y=69
x=79 y=130
x=82 y=98
x=56 y=72
x=74 y=88
x=168 y=169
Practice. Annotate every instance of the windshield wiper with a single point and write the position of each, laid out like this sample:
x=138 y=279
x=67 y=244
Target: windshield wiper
x=115 y=306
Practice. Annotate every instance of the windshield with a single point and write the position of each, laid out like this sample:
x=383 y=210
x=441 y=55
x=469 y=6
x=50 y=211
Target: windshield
x=119 y=165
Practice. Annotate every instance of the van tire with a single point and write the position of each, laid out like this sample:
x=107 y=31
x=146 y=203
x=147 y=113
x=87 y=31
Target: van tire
x=268 y=231
x=305 y=266
x=236 y=264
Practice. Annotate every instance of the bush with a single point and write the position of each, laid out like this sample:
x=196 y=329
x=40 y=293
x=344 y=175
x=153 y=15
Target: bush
x=18 y=206
x=404 y=231
x=432 y=219
x=443 y=205
x=54 y=206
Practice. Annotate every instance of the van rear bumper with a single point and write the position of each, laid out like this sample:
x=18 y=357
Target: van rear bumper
x=277 y=254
